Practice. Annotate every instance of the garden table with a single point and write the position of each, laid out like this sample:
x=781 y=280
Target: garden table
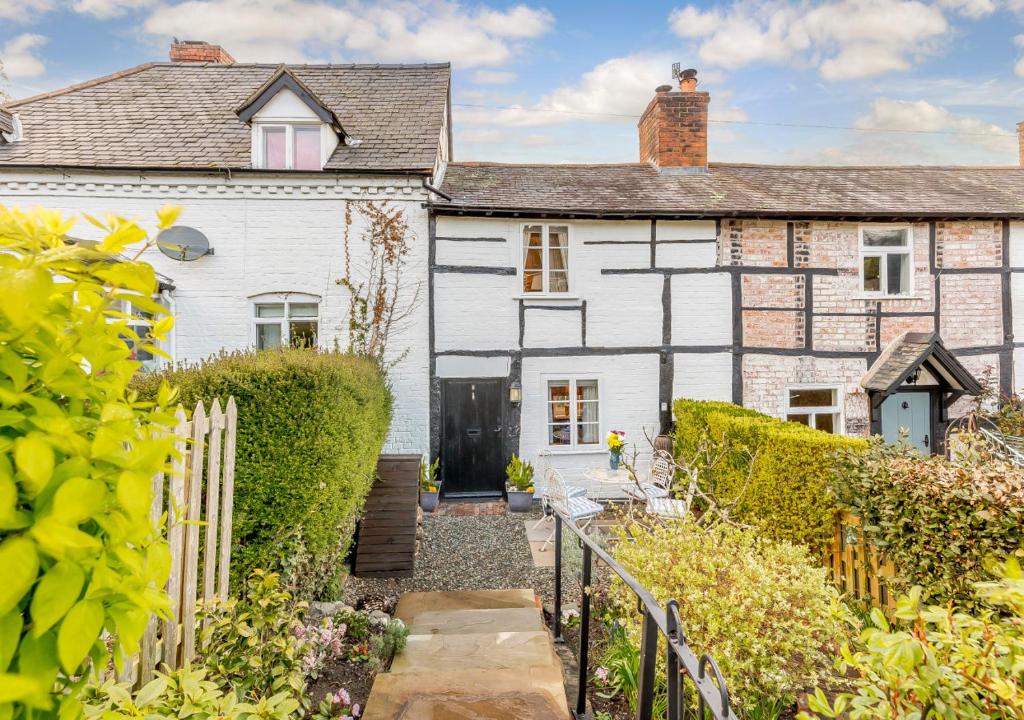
x=607 y=484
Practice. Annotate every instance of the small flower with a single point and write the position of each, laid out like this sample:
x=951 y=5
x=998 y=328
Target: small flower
x=356 y=711
x=601 y=674
x=300 y=631
x=342 y=697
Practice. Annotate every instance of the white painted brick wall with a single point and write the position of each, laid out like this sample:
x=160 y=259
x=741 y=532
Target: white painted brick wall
x=282 y=234
x=702 y=309
x=685 y=230
x=703 y=376
x=469 y=252
x=684 y=255
x=628 y=390
x=625 y=311
x=552 y=327
x=475 y=312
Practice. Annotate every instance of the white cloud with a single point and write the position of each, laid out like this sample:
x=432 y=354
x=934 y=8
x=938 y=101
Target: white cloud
x=20 y=56
x=614 y=91
x=920 y=115
x=843 y=39
x=24 y=10
x=386 y=31
x=1018 y=68
x=492 y=77
x=970 y=8
x=105 y=9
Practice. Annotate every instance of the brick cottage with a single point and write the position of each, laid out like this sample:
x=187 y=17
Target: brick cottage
x=549 y=303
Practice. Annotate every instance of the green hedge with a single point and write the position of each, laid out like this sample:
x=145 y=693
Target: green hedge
x=788 y=496
x=310 y=428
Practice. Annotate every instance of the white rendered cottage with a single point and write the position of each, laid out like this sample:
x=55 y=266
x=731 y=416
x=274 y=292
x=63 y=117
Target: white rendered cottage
x=264 y=160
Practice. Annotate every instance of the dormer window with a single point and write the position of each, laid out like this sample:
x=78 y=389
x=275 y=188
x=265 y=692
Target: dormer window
x=292 y=129
x=290 y=147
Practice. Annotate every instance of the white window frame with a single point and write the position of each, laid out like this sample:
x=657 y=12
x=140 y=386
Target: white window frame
x=289 y=142
x=836 y=409
x=573 y=445
x=128 y=308
x=545 y=266
x=287 y=300
x=882 y=253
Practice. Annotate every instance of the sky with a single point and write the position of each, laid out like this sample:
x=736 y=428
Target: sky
x=864 y=82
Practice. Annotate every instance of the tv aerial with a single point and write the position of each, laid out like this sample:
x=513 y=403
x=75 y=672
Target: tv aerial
x=183 y=243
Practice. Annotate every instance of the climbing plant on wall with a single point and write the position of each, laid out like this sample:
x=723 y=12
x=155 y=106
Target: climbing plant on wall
x=378 y=303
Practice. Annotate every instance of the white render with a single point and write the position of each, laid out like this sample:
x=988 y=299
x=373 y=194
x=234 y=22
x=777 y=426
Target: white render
x=270 y=234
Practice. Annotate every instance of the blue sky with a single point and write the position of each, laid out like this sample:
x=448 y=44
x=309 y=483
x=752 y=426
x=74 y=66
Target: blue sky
x=892 y=82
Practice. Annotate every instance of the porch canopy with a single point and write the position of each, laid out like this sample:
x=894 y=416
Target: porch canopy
x=921 y=360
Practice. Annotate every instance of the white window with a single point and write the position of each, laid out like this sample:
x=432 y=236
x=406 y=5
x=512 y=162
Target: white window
x=286 y=323
x=140 y=324
x=816 y=407
x=545 y=259
x=574 y=413
x=886 y=259
x=289 y=146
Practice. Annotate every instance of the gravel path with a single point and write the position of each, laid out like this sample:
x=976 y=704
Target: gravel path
x=485 y=552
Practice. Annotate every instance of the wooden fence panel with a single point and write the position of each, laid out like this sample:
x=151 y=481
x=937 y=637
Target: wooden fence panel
x=859 y=569
x=176 y=535
x=228 y=495
x=190 y=558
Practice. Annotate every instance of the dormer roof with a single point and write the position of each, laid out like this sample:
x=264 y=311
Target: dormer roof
x=283 y=79
x=185 y=116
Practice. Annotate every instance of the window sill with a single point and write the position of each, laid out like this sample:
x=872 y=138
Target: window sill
x=547 y=299
x=575 y=451
x=888 y=298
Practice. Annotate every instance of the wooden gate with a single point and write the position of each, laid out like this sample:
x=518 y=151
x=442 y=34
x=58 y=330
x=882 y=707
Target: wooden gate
x=859 y=569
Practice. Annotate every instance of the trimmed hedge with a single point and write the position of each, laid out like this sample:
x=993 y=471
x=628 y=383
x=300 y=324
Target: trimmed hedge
x=310 y=429
x=788 y=497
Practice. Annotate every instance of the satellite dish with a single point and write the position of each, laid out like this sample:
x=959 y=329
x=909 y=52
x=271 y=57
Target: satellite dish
x=183 y=243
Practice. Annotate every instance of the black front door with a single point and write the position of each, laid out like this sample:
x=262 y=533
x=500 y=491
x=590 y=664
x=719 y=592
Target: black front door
x=472 y=460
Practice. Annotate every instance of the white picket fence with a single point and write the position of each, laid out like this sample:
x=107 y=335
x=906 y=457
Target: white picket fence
x=205 y=448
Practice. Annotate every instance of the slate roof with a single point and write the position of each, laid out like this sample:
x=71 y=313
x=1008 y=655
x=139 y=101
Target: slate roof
x=913 y=350
x=735 y=190
x=183 y=115
x=6 y=122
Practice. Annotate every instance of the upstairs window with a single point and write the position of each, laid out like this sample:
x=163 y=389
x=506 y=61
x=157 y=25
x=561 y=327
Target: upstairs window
x=885 y=260
x=284 y=324
x=816 y=407
x=545 y=259
x=290 y=147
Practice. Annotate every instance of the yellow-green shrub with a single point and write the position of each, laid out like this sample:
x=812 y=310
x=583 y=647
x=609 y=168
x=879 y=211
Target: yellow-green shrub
x=786 y=490
x=78 y=551
x=310 y=428
x=761 y=608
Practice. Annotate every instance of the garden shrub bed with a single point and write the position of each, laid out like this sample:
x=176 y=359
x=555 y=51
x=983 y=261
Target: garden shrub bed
x=777 y=472
x=310 y=429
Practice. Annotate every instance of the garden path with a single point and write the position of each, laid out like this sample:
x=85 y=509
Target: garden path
x=471 y=654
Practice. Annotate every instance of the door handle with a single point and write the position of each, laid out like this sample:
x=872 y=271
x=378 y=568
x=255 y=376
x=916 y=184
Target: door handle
x=497 y=429
x=474 y=432
x=927 y=441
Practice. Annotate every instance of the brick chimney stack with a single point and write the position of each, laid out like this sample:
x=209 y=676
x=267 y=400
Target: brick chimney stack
x=197 y=51
x=1020 y=142
x=674 y=127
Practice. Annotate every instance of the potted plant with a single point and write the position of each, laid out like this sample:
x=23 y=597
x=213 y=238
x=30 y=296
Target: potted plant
x=616 y=442
x=520 y=484
x=430 y=488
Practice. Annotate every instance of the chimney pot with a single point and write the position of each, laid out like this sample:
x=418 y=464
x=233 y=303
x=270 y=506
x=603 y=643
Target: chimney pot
x=688 y=80
x=197 y=51
x=674 y=127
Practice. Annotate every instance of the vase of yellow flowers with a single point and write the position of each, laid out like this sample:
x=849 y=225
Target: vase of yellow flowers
x=430 y=488
x=615 y=441
x=520 y=484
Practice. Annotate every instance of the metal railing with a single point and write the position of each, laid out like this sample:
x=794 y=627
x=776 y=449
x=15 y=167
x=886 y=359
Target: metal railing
x=681 y=661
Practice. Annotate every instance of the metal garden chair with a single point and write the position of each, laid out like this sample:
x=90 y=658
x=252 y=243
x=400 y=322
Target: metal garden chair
x=579 y=509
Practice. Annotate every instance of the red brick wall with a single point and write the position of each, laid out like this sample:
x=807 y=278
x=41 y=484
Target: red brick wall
x=674 y=130
x=195 y=51
x=772 y=291
x=971 y=312
x=756 y=243
x=773 y=328
x=968 y=244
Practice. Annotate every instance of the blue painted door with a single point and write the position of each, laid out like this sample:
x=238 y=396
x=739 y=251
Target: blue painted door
x=912 y=412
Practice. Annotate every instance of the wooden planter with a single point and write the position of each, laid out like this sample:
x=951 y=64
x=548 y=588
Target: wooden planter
x=386 y=544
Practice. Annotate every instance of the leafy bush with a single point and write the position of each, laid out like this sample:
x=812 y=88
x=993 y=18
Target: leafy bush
x=936 y=662
x=184 y=694
x=310 y=428
x=78 y=551
x=763 y=609
x=778 y=473
x=391 y=641
x=938 y=521
x=519 y=473
x=256 y=645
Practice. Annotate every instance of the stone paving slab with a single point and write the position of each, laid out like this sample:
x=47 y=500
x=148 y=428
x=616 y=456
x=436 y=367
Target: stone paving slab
x=517 y=694
x=477 y=651
x=412 y=604
x=462 y=622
